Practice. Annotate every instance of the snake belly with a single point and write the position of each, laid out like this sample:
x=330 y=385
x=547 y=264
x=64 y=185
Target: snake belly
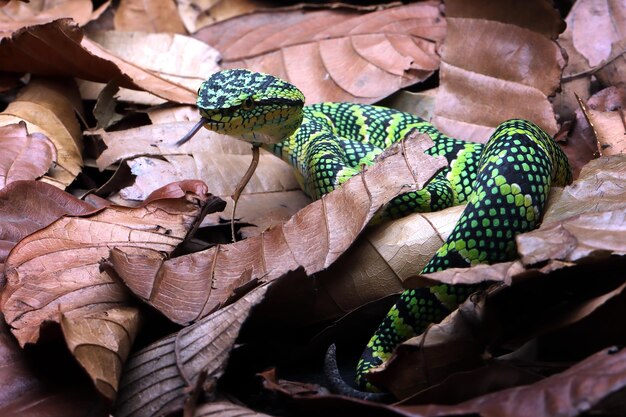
x=504 y=182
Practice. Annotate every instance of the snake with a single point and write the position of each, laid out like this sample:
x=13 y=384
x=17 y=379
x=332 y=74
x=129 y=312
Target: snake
x=504 y=182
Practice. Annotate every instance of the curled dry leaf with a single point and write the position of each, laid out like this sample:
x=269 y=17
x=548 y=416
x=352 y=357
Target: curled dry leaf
x=570 y=393
x=19 y=14
x=27 y=206
x=158 y=16
x=359 y=57
x=607 y=120
x=25 y=156
x=183 y=60
x=189 y=287
x=196 y=14
x=506 y=70
x=68 y=53
x=49 y=108
x=380 y=261
x=157 y=379
x=54 y=273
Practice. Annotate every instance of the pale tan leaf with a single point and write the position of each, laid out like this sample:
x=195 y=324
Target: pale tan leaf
x=359 y=57
x=25 y=156
x=495 y=67
x=49 y=108
x=148 y=16
x=179 y=59
x=196 y=14
x=606 y=116
x=101 y=342
x=157 y=379
x=313 y=239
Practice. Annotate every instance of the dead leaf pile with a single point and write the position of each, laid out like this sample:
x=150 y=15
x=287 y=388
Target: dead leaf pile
x=114 y=242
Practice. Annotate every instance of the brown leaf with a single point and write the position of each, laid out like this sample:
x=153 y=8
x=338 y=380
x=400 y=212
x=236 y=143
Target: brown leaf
x=182 y=60
x=189 y=287
x=34 y=384
x=607 y=120
x=353 y=57
x=55 y=272
x=196 y=14
x=17 y=14
x=152 y=16
x=25 y=156
x=226 y=408
x=49 y=108
x=158 y=378
x=27 y=206
x=68 y=53
x=506 y=69
x=569 y=393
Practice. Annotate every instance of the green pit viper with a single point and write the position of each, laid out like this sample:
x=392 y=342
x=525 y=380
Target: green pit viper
x=504 y=182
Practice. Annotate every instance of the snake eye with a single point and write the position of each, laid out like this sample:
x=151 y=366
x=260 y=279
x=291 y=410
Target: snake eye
x=247 y=104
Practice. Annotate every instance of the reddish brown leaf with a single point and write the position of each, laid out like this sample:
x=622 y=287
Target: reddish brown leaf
x=27 y=206
x=189 y=287
x=24 y=156
x=506 y=70
x=68 y=53
x=353 y=57
x=55 y=273
x=158 y=378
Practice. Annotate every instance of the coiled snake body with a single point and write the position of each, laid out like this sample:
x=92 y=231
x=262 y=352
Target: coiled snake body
x=504 y=182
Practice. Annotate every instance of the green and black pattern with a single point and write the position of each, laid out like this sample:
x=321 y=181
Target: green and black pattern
x=504 y=182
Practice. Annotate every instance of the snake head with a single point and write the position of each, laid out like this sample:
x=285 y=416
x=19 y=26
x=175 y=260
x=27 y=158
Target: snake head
x=255 y=107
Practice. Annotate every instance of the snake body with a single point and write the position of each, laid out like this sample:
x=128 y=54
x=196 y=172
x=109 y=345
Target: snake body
x=505 y=182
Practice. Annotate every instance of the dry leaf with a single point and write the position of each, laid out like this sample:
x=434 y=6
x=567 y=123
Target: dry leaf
x=27 y=206
x=606 y=117
x=567 y=394
x=68 y=53
x=148 y=16
x=196 y=14
x=158 y=378
x=49 y=108
x=18 y=14
x=353 y=57
x=55 y=273
x=25 y=156
x=189 y=287
x=226 y=408
x=182 y=60
x=499 y=62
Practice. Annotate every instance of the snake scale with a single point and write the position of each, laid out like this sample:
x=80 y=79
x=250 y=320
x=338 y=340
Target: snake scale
x=504 y=182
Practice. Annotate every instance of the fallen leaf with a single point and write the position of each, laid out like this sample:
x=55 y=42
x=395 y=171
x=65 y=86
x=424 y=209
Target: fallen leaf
x=196 y=14
x=607 y=120
x=49 y=107
x=191 y=286
x=26 y=156
x=55 y=273
x=152 y=16
x=18 y=14
x=27 y=206
x=157 y=379
x=68 y=53
x=360 y=57
x=181 y=60
x=507 y=70
x=226 y=408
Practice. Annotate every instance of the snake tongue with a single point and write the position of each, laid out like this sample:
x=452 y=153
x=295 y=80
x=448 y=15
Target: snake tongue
x=192 y=132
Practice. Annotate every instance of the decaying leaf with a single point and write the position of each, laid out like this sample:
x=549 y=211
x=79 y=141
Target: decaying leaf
x=182 y=60
x=507 y=70
x=226 y=408
x=18 y=14
x=158 y=16
x=49 y=108
x=353 y=57
x=607 y=119
x=196 y=14
x=54 y=273
x=68 y=53
x=27 y=206
x=190 y=287
x=158 y=378
x=25 y=156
